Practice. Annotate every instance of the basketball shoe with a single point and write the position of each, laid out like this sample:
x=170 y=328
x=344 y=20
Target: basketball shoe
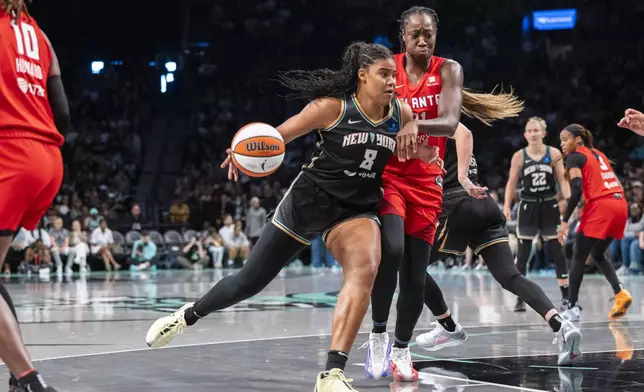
x=378 y=351
x=166 y=328
x=569 y=339
x=622 y=301
x=333 y=380
x=402 y=367
x=572 y=314
x=440 y=338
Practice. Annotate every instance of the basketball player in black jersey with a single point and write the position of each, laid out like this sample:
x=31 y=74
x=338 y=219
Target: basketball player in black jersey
x=471 y=218
x=538 y=212
x=336 y=195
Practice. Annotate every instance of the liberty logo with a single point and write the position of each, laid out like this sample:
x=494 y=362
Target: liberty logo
x=261 y=146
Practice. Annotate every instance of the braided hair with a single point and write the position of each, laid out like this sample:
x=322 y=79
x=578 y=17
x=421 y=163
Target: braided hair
x=15 y=7
x=326 y=83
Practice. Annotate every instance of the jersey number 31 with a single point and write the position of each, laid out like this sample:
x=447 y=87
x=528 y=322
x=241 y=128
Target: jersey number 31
x=26 y=40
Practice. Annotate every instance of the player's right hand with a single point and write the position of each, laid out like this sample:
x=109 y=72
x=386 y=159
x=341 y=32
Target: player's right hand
x=232 y=169
x=633 y=120
x=508 y=213
x=477 y=192
x=407 y=141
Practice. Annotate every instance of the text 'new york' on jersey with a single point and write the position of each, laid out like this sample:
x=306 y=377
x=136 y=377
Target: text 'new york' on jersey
x=537 y=177
x=450 y=181
x=350 y=156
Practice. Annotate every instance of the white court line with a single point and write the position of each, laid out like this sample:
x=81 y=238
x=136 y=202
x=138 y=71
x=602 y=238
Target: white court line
x=503 y=386
x=302 y=337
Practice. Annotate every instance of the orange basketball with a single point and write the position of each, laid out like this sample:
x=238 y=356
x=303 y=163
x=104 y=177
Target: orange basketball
x=258 y=149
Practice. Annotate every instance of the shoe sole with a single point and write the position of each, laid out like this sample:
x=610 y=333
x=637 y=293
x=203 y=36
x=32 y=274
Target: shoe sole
x=574 y=340
x=627 y=304
x=452 y=343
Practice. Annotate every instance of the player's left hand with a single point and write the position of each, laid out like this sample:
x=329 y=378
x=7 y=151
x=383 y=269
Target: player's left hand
x=407 y=141
x=562 y=232
x=232 y=169
x=477 y=192
x=633 y=120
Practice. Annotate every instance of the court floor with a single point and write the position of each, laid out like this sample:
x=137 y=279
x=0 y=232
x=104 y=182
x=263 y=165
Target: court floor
x=89 y=335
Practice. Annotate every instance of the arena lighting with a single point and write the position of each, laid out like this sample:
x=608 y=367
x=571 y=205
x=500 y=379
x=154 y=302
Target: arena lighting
x=164 y=84
x=171 y=66
x=152 y=63
x=169 y=77
x=97 y=67
x=554 y=19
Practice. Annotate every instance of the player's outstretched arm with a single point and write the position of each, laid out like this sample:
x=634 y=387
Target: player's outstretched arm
x=511 y=185
x=56 y=93
x=464 y=150
x=322 y=113
x=633 y=120
x=449 y=105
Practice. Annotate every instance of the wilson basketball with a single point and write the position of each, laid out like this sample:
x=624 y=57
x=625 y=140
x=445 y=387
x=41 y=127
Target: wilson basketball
x=258 y=150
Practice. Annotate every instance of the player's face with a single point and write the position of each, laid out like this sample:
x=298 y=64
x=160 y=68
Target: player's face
x=379 y=80
x=533 y=133
x=568 y=141
x=419 y=35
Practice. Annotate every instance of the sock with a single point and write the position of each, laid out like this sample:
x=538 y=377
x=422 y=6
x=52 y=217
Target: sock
x=448 y=323
x=564 y=291
x=190 y=316
x=617 y=288
x=400 y=344
x=336 y=360
x=379 y=327
x=555 y=322
x=34 y=381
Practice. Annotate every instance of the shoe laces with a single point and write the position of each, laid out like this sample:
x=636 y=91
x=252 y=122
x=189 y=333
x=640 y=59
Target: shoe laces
x=341 y=377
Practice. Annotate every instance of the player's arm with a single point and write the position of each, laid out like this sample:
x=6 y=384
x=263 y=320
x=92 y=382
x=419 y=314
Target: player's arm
x=464 y=150
x=320 y=114
x=511 y=185
x=574 y=163
x=56 y=93
x=560 y=173
x=428 y=154
x=449 y=104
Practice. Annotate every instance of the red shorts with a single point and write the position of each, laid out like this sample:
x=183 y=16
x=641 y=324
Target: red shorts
x=31 y=173
x=418 y=203
x=604 y=217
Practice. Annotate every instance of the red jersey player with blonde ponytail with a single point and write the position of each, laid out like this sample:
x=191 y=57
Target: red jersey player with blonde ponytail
x=33 y=114
x=433 y=87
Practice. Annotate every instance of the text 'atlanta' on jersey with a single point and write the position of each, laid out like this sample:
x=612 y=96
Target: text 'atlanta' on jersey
x=413 y=189
x=538 y=212
x=343 y=179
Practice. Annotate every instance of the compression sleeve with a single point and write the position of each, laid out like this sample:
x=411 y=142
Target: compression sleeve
x=58 y=102
x=575 y=160
x=575 y=196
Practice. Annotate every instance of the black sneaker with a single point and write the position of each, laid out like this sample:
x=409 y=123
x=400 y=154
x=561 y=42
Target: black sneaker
x=520 y=306
x=16 y=386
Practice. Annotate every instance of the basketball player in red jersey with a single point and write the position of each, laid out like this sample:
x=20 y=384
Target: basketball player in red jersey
x=433 y=87
x=33 y=109
x=603 y=217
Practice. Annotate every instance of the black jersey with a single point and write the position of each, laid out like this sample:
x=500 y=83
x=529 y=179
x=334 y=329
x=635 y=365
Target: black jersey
x=351 y=155
x=537 y=177
x=451 y=165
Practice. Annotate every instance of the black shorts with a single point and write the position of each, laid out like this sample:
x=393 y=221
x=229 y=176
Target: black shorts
x=466 y=221
x=307 y=211
x=538 y=218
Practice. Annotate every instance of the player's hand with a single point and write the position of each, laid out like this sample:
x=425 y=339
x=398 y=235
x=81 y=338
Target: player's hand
x=477 y=192
x=562 y=232
x=407 y=141
x=507 y=212
x=428 y=154
x=633 y=120
x=232 y=169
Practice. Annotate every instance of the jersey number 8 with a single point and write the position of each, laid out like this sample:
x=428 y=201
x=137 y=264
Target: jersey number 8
x=26 y=40
x=369 y=157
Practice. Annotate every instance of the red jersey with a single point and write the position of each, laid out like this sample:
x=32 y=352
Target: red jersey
x=423 y=99
x=25 y=58
x=598 y=177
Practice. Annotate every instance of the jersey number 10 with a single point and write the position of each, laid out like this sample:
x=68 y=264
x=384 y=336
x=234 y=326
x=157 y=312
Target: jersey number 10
x=26 y=40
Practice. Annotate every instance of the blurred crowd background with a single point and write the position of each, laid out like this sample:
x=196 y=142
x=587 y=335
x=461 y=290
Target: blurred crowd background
x=143 y=187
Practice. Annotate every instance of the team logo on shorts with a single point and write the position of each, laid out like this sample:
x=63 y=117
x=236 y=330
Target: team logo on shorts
x=439 y=181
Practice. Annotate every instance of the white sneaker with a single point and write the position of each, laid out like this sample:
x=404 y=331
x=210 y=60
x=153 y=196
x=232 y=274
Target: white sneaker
x=378 y=350
x=440 y=338
x=166 y=328
x=572 y=314
x=402 y=367
x=569 y=339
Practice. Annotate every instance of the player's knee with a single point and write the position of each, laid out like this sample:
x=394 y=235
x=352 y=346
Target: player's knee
x=393 y=247
x=360 y=264
x=510 y=279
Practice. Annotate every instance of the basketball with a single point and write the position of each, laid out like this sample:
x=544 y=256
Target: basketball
x=258 y=150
